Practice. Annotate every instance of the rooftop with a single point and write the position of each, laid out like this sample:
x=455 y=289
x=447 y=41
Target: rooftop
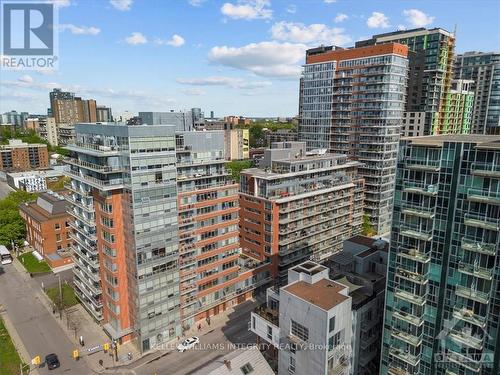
x=324 y=294
x=48 y=206
x=485 y=141
x=17 y=143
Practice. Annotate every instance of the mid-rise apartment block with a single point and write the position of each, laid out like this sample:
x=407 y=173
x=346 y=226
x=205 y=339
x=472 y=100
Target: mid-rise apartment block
x=442 y=306
x=104 y=114
x=214 y=275
x=68 y=109
x=47 y=130
x=308 y=321
x=352 y=102
x=298 y=205
x=430 y=55
x=124 y=203
x=18 y=156
x=483 y=68
x=237 y=144
x=183 y=121
x=48 y=228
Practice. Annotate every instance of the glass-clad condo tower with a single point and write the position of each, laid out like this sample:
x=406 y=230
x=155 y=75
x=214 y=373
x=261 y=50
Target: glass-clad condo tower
x=442 y=298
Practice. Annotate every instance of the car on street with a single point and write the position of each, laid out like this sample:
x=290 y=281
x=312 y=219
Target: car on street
x=188 y=344
x=52 y=361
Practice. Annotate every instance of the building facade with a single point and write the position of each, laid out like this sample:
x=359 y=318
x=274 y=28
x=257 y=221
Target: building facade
x=18 y=156
x=298 y=206
x=103 y=114
x=68 y=109
x=431 y=54
x=484 y=69
x=441 y=313
x=214 y=275
x=459 y=107
x=183 y=121
x=47 y=130
x=281 y=135
x=125 y=209
x=47 y=228
x=353 y=103
x=237 y=144
x=413 y=124
x=308 y=321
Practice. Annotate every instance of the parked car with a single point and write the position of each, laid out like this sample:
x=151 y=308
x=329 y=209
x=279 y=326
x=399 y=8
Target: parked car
x=188 y=344
x=52 y=361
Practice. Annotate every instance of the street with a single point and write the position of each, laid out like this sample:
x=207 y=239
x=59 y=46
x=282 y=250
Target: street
x=4 y=189
x=37 y=328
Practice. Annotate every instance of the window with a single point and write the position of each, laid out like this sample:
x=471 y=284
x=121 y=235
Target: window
x=299 y=330
x=246 y=369
x=57 y=226
x=105 y=207
x=291 y=367
x=335 y=340
x=107 y=222
x=332 y=324
x=253 y=322
x=269 y=332
x=58 y=237
x=108 y=237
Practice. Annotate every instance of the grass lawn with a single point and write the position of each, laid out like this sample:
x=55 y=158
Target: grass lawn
x=69 y=298
x=9 y=359
x=32 y=264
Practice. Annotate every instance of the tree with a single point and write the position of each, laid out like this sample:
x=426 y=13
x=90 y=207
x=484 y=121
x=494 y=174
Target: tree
x=12 y=227
x=236 y=166
x=367 y=229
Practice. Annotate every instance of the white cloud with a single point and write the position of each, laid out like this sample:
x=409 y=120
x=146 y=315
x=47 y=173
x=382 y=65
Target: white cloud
x=340 y=17
x=61 y=3
x=377 y=20
x=267 y=59
x=193 y=91
x=292 y=9
x=26 y=79
x=122 y=5
x=196 y=3
x=417 y=18
x=136 y=38
x=79 y=30
x=176 y=41
x=232 y=82
x=315 y=33
x=248 y=9
x=329 y=1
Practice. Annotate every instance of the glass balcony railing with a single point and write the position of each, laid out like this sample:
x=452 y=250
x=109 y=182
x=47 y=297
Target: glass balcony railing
x=397 y=370
x=480 y=272
x=407 y=337
x=409 y=318
x=479 y=247
x=422 y=164
x=414 y=254
x=470 y=317
x=464 y=361
x=475 y=295
x=95 y=167
x=98 y=183
x=404 y=356
x=482 y=221
x=466 y=338
x=409 y=297
x=421 y=188
x=414 y=209
x=486 y=169
x=483 y=196
x=416 y=231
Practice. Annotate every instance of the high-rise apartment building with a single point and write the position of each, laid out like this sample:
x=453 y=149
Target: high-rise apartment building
x=15 y=118
x=68 y=109
x=298 y=205
x=459 y=106
x=442 y=305
x=352 y=102
x=484 y=69
x=124 y=203
x=430 y=55
x=18 y=156
x=214 y=276
x=308 y=321
x=103 y=114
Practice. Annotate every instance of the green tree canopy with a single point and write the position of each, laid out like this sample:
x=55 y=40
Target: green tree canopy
x=12 y=228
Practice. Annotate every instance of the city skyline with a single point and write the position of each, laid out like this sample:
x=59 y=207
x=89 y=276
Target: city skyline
x=230 y=63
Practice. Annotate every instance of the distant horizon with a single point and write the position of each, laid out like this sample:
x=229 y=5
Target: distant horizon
x=223 y=55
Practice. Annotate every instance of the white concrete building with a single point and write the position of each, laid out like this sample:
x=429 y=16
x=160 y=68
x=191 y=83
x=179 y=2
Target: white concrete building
x=308 y=321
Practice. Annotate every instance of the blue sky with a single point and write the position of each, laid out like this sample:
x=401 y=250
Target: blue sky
x=232 y=57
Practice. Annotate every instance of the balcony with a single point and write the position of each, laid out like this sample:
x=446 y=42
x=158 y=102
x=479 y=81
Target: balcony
x=397 y=371
x=483 y=196
x=417 y=232
x=86 y=193
x=412 y=276
x=485 y=169
x=422 y=164
x=465 y=337
x=404 y=356
x=462 y=360
x=271 y=315
x=410 y=297
x=473 y=270
x=470 y=317
x=409 y=317
x=406 y=337
x=479 y=247
x=475 y=295
x=92 y=149
x=421 y=188
x=94 y=167
x=414 y=254
x=97 y=183
x=481 y=221
x=418 y=211
x=81 y=229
